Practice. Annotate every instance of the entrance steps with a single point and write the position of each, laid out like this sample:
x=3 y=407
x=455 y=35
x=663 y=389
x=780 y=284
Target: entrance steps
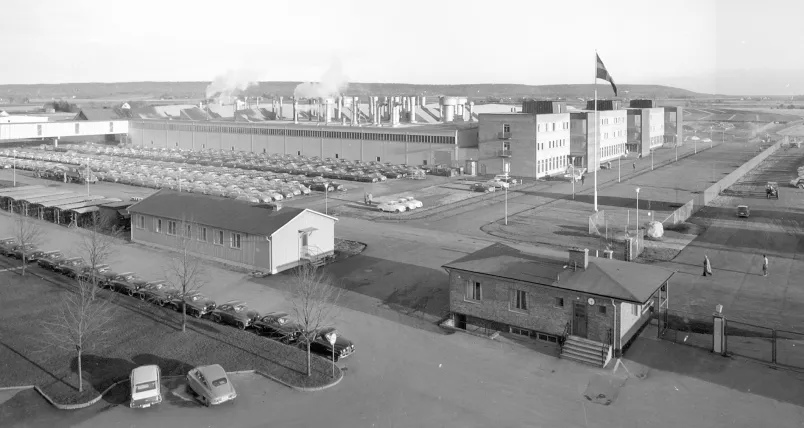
x=586 y=351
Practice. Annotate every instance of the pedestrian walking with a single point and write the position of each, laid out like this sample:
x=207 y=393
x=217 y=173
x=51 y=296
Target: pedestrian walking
x=764 y=265
x=634 y=166
x=707 y=266
x=583 y=179
x=370 y=199
x=365 y=198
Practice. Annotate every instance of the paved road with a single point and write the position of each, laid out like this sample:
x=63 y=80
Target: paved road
x=735 y=247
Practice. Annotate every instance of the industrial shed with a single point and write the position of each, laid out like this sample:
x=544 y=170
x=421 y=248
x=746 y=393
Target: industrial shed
x=268 y=238
x=115 y=214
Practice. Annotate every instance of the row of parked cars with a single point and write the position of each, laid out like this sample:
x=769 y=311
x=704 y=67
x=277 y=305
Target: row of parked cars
x=209 y=383
x=334 y=169
x=501 y=181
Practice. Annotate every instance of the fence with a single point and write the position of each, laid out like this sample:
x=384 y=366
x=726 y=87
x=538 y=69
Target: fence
x=780 y=347
x=596 y=221
x=680 y=215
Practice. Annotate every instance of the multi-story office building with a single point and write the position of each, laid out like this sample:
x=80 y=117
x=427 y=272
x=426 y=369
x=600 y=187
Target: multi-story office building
x=535 y=143
x=610 y=141
x=645 y=127
x=673 y=125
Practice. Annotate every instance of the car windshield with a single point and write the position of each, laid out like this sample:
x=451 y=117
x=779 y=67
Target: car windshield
x=329 y=336
x=219 y=382
x=145 y=386
x=240 y=308
x=282 y=321
x=195 y=298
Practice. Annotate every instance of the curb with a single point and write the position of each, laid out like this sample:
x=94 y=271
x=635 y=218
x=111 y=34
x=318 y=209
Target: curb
x=21 y=388
x=297 y=388
x=78 y=405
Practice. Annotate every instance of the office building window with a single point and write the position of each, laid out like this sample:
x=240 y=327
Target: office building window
x=473 y=291
x=506 y=128
x=235 y=240
x=519 y=300
x=188 y=231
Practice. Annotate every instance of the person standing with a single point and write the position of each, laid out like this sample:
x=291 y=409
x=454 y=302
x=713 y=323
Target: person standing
x=634 y=166
x=707 y=266
x=764 y=265
x=583 y=179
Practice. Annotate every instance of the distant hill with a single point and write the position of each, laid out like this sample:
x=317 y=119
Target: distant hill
x=113 y=92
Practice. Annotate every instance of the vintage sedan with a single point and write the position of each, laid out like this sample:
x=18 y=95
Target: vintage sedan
x=236 y=313
x=197 y=304
x=38 y=254
x=482 y=187
x=159 y=292
x=126 y=282
x=211 y=385
x=392 y=207
x=6 y=244
x=146 y=386
x=20 y=251
x=50 y=259
x=498 y=184
x=87 y=273
x=320 y=344
x=69 y=267
x=278 y=325
x=406 y=203
x=414 y=201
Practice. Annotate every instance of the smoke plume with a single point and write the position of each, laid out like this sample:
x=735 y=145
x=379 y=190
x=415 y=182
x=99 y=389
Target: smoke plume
x=332 y=83
x=232 y=83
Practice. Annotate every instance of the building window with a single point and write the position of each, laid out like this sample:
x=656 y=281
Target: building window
x=424 y=162
x=188 y=231
x=202 y=234
x=635 y=310
x=519 y=300
x=298 y=152
x=336 y=156
x=77 y=128
x=158 y=225
x=171 y=227
x=378 y=158
x=601 y=310
x=506 y=128
x=234 y=240
x=520 y=331
x=140 y=222
x=218 y=237
x=560 y=302
x=473 y=291
x=546 y=338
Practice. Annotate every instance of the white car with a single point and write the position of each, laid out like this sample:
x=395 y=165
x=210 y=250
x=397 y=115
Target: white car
x=407 y=204
x=146 y=386
x=391 y=207
x=498 y=184
x=417 y=202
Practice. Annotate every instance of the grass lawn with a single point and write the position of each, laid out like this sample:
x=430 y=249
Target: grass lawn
x=141 y=333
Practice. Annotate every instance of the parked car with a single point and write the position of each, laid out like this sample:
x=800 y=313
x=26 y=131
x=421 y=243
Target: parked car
x=50 y=259
x=392 y=207
x=198 y=305
x=498 y=184
x=798 y=182
x=146 y=386
x=6 y=244
x=86 y=273
x=482 y=187
x=159 y=292
x=507 y=179
x=211 y=385
x=278 y=325
x=411 y=199
x=69 y=266
x=321 y=344
x=236 y=313
x=406 y=203
x=743 y=211
x=20 y=251
x=126 y=282
x=34 y=256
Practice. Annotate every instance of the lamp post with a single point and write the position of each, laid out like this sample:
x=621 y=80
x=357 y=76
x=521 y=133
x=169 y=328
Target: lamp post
x=86 y=178
x=326 y=198
x=637 y=209
x=15 y=169
x=675 y=143
x=572 y=159
x=619 y=161
x=506 y=202
x=179 y=180
x=651 y=159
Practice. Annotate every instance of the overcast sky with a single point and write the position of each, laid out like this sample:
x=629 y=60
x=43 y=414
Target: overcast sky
x=723 y=46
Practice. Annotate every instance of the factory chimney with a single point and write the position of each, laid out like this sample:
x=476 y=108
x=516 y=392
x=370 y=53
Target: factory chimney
x=412 y=104
x=355 y=111
x=327 y=104
x=311 y=102
x=339 y=107
x=471 y=110
x=281 y=116
x=295 y=110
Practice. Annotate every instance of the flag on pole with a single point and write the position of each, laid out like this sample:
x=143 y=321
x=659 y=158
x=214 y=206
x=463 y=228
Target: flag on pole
x=602 y=73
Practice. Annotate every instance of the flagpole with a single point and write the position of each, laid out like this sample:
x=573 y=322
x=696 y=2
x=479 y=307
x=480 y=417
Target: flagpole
x=595 y=165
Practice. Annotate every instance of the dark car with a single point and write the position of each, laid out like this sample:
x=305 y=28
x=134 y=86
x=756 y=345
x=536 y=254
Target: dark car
x=198 y=305
x=6 y=244
x=236 y=313
x=126 y=282
x=321 y=345
x=50 y=259
x=22 y=250
x=38 y=254
x=87 y=273
x=321 y=187
x=70 y=266
x=159 y=292
x=482 y=187
x=278 y=326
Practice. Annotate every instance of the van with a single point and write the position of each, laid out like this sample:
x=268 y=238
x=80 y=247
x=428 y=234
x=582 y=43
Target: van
x=146 y=386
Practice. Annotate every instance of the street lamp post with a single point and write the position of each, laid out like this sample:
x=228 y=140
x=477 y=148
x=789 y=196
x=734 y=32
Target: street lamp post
x=573 y=177
x=506 y=203
x=619 y=160
x=15 y=169
x=675 y=143
x=326 y=198
x=651 y=159
x=179 y=180
x=637 y=209
x=86 y=179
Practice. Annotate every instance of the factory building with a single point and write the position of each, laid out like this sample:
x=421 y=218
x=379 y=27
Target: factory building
x=673 y=125
x=534 y=143
x=645 y=127
x=384 y=130
x=611 y=128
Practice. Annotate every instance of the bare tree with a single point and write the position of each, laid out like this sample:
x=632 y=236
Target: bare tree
x=313 y=302
x=80 y=322
x=185 y=271
x=97 y=245
x=28 y=235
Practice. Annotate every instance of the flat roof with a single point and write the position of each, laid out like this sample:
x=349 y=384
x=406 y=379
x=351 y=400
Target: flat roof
x=20 y=189
x=59 y=204
x=61 y=195
x=36 y=193
x=88 y=203
x=332 y=126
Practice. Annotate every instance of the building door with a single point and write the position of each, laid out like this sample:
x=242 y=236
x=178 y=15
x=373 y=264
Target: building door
x=506 y=167
x=460 y=321
x=579 y=320
x=304 y=250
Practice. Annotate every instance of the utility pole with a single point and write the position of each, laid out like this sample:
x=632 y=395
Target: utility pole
x=506 y=202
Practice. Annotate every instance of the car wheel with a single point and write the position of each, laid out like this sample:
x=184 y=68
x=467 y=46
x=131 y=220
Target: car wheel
x=217 y=318
x=162 y=303
x=397 y=211
x=142 y=297
x=196 y=314
x=241 y=326
x=801 y=186
x=130 y=292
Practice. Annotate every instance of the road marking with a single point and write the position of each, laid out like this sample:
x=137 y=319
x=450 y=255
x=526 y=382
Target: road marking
x=732 y=117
